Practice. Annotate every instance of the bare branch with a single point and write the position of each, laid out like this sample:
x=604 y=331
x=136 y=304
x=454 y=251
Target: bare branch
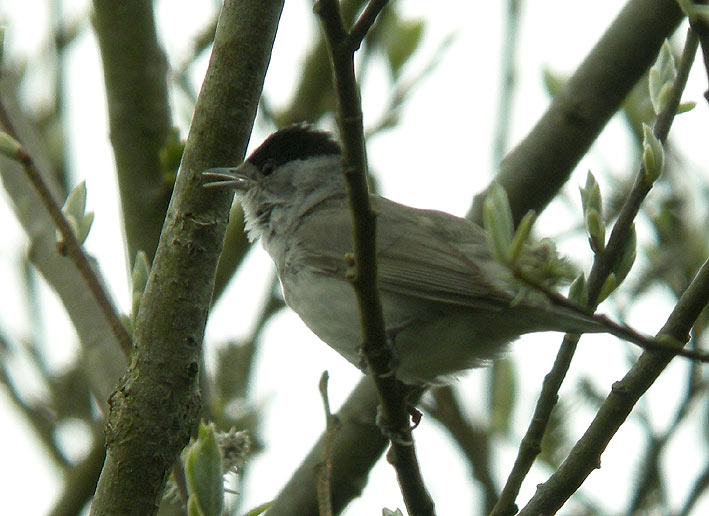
x=363 y=267
x=70 y=245
x=365 y=21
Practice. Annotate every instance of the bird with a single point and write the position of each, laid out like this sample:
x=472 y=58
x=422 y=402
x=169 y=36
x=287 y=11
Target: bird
x=448 y=304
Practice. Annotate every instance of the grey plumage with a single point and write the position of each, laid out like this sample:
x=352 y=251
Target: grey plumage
x=448 y=305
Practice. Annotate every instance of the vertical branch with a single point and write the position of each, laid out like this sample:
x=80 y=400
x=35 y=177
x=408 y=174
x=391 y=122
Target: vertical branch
x=342 y=45
x=135 y=72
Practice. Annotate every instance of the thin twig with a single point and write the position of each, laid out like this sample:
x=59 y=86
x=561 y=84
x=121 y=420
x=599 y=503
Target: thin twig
x=365 y=21
x=628 y=392
x=602 y=267
x=324 y=470
x=362 y=266
x=701 y=27
x=70 y=245
x=586 y=453
x=604 y=262
x=649 y=464
x=619 y=330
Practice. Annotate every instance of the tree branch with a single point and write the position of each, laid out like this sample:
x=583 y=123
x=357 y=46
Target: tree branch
x=586 y=454
x=365 y=21
x=363 y=269
x=535 y=170
x=135 y=72
x=603 y=264
x=354 y=449
x=98 y=342
x=156 y=405
x=69 y=245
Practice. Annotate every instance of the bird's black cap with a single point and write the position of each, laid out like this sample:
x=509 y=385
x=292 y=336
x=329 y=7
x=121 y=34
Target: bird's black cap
x=297 y=141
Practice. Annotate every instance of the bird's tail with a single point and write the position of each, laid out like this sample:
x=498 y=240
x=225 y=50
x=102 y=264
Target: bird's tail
x=572 y=320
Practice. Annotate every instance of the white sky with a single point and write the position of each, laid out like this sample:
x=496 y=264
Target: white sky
x=439 y=158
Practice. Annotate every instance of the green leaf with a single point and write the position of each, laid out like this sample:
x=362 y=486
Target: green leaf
x=685 y=107
x=594 y=221
x=522 y=234
x=596 y=229
x=9 y=146
x=203 y=471
x=402 y=42
x=257 y=511
x=75 y=203
x=193 y=508
x=653 y=155
x=627 y=258
x=609 y=285
x=84 y=227
x=578 y=290
x=497 y=217
x=591 y=194
x=661 y=78
x=74 y=211
x=503 y=396
x=553 y=82
x=139 y=279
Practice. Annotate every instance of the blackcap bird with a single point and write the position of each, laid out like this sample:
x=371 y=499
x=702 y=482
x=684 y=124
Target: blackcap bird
x=448 y=305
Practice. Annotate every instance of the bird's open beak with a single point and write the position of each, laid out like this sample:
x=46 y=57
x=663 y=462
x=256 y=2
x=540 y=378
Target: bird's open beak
x=227 y=177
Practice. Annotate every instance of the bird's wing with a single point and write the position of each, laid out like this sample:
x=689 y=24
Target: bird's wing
x=435 y=256
x=420 y=253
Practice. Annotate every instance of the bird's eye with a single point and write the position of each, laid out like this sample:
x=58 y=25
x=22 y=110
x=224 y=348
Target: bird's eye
x=268 y=167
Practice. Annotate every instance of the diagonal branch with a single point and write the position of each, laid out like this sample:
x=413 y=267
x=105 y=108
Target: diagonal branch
x=603 y=265
x=365 y=21
x=70 y=245
x=585 y=455
x=534 y=171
